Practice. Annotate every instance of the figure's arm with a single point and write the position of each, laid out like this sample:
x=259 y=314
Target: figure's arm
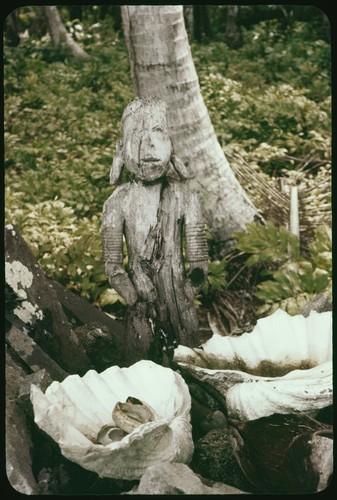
x=112 y=236
x=196 y=242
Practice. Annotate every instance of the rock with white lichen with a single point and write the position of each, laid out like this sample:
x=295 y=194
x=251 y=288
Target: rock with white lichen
x=32 y=306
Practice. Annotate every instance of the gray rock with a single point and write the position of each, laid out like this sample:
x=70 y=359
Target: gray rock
x=33 y=306
x=177 y=479
x=213 y=458
x=32 y=355
x=81 y=311
x=204 y=419
x=52 y=481
x=18 y=452
x=284 y=454
x=320 y=303
x=18 y=437
x=102 y=337
x=100 y=345
x=15 y=374
x=322 y=459
x=41 y=379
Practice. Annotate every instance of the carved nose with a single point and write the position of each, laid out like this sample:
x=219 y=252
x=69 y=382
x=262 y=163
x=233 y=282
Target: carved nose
x=147 y=149
x=148 y=141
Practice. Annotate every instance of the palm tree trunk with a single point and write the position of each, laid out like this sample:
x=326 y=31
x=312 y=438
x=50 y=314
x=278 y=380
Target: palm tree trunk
x=162 y=65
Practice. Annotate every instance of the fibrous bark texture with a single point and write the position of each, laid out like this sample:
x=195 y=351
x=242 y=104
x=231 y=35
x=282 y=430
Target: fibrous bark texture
x=162 y=65
x=233 y=34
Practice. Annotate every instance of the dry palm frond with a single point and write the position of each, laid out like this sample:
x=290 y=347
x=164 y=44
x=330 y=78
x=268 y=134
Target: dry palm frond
x=274 y=204
x=269 y=200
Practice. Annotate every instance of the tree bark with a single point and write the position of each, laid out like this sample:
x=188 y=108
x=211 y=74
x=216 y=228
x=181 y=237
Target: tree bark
x=197 y=23
x=233 y=33
x=12 y=28
x=162 y=65
x=75 y=12
x=201 y=25
x=60 y=37
x=189 y=23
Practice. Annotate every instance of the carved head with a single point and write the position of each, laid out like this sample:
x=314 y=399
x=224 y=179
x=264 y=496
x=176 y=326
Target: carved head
x=146 y=148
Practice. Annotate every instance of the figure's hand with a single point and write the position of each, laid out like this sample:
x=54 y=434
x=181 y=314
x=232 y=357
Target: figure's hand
x=120 y=281
x=197 y=274
x=144 y=309
x=139 y=308
x=145 y=287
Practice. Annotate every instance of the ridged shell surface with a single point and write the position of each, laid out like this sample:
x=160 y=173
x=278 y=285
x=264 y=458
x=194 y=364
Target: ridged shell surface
x=280 y=340
x=74 y=411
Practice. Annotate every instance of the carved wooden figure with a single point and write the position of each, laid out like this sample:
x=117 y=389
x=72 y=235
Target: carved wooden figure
x=156 y=213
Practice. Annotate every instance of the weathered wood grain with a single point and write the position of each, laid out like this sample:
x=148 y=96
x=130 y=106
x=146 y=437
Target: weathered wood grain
x=156 y=214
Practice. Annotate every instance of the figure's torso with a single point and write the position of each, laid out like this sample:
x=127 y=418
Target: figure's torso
x=153 y=216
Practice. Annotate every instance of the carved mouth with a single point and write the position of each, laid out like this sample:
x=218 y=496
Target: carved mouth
x=149 y=159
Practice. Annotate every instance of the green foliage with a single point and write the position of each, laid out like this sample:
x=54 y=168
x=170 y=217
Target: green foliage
x=48 y=225
x=270 y=100
x=287 y=279
x=67 y=249
x=291 y=54
x=267 y=243
x=216 y=277
x=67 y=149
x=320 y=250
x=272 y=97
x=274 y=125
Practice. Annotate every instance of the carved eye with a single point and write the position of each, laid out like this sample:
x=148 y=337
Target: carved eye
x=158 y=128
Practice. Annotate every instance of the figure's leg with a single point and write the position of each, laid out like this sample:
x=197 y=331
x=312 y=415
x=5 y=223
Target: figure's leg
x=140 y=342
x=176 y=303
x=188 y=324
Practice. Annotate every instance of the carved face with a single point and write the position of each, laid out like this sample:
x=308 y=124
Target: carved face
x=147 y=144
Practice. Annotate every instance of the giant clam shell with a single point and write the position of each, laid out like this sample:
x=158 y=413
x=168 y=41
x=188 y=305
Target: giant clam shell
x=296 y=351
x=75 y=412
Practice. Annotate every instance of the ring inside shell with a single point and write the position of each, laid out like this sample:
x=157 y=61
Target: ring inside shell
x=127 y=417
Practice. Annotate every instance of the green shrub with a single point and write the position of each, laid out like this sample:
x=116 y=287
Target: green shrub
x=267 y=243
x=272 y=97
x=287 y=279
x=216 y=277
x=275 y=126
x=68 y=249
x=270 y=100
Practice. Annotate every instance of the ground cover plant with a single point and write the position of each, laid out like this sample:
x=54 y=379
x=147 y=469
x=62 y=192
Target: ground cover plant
x=270 y=104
